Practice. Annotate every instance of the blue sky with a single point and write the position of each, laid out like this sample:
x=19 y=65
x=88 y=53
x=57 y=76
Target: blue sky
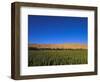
x=57 y=29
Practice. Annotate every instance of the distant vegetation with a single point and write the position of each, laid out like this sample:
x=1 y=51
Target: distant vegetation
x=35 y=48
x=57 y=46
x=48 y=56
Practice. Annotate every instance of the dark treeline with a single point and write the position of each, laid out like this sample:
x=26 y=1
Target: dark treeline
x=34 y=48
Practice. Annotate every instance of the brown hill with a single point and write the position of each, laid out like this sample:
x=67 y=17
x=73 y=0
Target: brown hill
x=60 y=46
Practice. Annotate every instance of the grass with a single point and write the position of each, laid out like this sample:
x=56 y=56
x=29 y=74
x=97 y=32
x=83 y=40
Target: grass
x=57 y=57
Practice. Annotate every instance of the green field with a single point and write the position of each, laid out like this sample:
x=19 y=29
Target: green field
x=57 y=57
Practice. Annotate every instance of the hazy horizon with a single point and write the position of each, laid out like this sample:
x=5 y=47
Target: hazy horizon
x=59 y=43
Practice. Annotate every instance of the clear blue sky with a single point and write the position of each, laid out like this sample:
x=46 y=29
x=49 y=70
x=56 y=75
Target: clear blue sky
x=57 y=29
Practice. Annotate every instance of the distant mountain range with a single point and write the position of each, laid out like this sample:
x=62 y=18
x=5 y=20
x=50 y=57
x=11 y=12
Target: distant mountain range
x=59 y=46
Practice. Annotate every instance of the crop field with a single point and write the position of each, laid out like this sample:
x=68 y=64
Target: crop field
x=57 y=57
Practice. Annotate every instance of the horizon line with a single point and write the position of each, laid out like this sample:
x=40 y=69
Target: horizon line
x=58 y=43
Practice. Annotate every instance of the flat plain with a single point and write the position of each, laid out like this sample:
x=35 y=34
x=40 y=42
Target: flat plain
x=57 y=54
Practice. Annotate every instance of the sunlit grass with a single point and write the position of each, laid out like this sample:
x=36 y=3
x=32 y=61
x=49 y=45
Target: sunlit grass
x=57 y=57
